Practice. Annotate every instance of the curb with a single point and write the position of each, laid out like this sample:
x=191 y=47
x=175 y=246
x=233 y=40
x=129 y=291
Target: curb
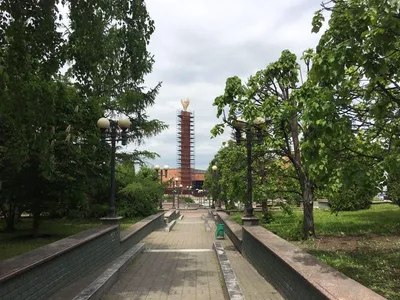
x=231 y=284
x=105 y=281
x=170 y=226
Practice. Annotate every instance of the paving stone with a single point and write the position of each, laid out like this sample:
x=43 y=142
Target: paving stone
x=253 y=285
x=190 y=275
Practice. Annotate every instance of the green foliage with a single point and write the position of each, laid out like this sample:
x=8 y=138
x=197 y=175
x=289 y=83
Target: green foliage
x=356 y=63
x=393 y=180
x=229 y=180
x=286 y=208
x=138 y=194
x=50 y=156
x=350 y=199
x=274 y=94
x=359 y=183
x=338 y=130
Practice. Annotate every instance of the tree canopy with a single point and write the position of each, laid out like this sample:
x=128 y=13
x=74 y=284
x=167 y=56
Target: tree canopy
x=50 y=155
x=338 y=129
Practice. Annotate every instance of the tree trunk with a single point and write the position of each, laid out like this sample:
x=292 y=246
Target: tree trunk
x=264 y=207
x=36 y=222
x=36 y=218
x=9 y=216
x=266 y=214
x=231 y=204
x=308 y=214
x=17 y=216
x=10 y=223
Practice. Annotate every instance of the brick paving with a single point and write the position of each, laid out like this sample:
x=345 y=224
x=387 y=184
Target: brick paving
x=163 y=272
x=252 y=284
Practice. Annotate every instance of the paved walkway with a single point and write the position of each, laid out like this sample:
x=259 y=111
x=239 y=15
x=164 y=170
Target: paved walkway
x=182 y=265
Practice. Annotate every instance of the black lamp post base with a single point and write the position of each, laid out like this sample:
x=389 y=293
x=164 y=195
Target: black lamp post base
x=111 y=220
x=250 y=221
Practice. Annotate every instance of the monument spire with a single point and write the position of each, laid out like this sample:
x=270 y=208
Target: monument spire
x=185 y=138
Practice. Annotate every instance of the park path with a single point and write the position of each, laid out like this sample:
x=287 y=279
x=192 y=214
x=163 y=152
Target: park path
x=182 y=265
x=175 y=265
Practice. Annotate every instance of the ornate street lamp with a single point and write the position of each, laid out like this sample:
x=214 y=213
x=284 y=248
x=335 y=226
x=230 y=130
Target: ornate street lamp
x=240 y=126
x=214 y=169
x=160 y=173
x=176 y=193
x=113 y=131
x=181 y=191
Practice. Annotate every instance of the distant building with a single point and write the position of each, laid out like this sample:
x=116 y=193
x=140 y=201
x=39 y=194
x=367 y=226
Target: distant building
x=196 y=180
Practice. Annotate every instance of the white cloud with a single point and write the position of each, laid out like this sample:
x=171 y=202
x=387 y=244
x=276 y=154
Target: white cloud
x=198 y=44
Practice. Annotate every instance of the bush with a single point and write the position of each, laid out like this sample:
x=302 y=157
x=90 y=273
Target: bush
x=97 y=211
x=139 y=199
x=138 y=194
x=351 y=199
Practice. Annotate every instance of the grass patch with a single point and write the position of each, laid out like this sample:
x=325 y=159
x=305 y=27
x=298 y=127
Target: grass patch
x=364 y=245
x=371 y=262
x=21 y=240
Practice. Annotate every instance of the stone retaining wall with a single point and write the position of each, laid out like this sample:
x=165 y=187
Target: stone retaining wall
x=171 y=215
x=38 y=274
x=232 y=229
x=295 y=273
x=132 y=235
x=292 y=271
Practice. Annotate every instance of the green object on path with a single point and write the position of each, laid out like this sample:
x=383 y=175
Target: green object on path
x=220 y=232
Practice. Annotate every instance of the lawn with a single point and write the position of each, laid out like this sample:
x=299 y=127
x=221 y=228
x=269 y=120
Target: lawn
x=21 y=241
x=364 y=245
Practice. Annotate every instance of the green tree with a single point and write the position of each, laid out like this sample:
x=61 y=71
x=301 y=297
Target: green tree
x=228 y=182
x=276 y=95
x=30 y=58
x=356 y=65
x=107 y=50
x=50 y=156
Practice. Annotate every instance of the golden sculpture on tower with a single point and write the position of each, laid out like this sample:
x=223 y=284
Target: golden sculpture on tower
x=185 y=103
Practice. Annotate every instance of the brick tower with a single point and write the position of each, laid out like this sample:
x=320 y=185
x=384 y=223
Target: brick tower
x=185 y=139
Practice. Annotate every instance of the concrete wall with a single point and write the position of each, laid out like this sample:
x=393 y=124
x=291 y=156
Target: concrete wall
x=38 y=274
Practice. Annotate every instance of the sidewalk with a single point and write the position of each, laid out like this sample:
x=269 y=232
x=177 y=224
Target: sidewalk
x=182 y=265
x=176 y=265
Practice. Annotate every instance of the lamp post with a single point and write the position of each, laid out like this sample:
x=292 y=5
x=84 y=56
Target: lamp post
x=160 y=173
x=176 y=193
x=113 y=131
x=188 y=189
x=181 y=191
x=249 y=218
x=214 y=169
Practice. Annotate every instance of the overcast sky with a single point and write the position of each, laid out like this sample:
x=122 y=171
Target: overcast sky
x=198 y=44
